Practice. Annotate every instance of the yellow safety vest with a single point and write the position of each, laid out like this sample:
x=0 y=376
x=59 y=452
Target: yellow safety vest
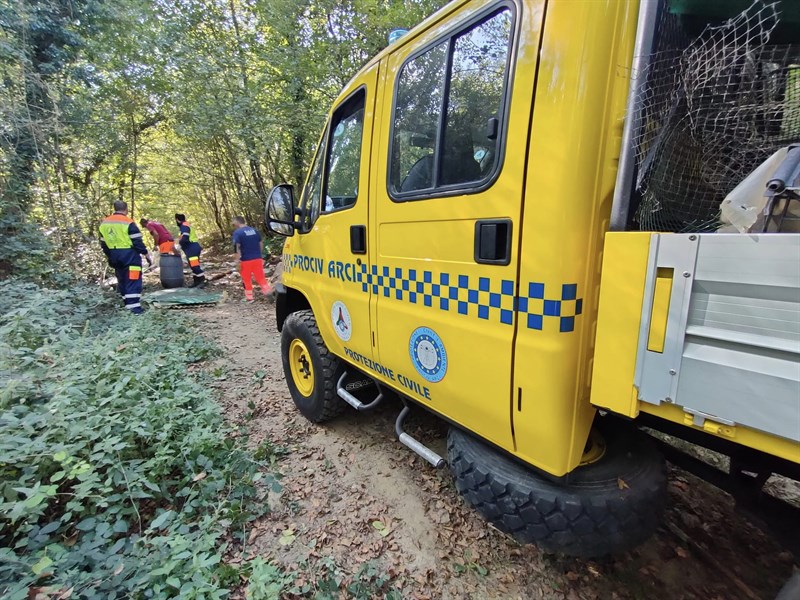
x=192 y=236
x=114 y=231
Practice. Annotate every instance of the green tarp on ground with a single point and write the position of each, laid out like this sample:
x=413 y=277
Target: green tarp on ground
x=183 y=298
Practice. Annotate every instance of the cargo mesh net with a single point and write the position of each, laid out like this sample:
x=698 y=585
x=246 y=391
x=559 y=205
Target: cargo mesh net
x=713 y=107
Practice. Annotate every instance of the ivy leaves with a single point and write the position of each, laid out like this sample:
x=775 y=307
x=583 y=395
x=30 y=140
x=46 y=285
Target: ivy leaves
x=116 y=476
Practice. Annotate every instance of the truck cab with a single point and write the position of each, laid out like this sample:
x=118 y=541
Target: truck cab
x=463 y=241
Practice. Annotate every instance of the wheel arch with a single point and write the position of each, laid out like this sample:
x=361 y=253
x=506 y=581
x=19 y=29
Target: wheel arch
x=289 y=300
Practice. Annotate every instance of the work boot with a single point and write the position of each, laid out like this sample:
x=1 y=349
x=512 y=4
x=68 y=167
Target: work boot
x=198 y=281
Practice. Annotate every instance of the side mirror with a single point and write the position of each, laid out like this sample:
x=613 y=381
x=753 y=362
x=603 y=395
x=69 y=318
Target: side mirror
x=281 y=211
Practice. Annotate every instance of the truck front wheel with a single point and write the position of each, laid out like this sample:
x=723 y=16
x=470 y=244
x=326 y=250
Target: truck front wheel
x=608 y=505
x=311 y=370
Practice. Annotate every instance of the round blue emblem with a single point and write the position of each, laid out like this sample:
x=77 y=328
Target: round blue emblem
x=428 y=354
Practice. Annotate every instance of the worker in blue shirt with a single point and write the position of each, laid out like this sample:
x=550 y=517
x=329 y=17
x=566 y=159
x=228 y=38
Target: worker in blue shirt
x=191 y=248
x=123 y=246
x=250 y=250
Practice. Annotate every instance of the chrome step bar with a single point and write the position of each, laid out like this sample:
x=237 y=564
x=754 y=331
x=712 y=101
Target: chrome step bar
x=408 y=441
x=352 y=400
x=417 y=446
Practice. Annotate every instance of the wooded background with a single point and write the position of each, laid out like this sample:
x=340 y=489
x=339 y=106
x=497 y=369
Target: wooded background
x=194 y=106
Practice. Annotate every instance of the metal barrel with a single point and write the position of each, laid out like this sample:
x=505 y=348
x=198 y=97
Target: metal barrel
x=171 y=271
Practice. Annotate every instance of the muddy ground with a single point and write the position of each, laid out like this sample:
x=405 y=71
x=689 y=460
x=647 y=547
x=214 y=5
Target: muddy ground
x=341 y=478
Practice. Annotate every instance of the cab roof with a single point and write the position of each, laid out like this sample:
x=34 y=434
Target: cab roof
x=405 y=39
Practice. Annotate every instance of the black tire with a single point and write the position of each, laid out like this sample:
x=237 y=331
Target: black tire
x=593 y=515
x=323 y=404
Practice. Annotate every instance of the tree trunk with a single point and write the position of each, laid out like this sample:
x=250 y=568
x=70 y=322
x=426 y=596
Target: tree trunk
x=297 y=150
x=226 y=204
x=249 y=142
x=134 y=166
x=212 y=200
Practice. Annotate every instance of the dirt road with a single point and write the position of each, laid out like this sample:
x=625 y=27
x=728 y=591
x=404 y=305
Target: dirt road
x=352 y=492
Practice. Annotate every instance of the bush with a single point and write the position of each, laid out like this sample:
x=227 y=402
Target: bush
x=25 y=252
x=273 y=245
x=117 y=478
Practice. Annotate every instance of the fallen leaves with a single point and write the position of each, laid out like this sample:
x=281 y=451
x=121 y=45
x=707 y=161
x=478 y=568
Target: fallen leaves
x=287 y=536
x=50 y=593
x=383 y=530
x=679 y=484
x=440 y=513
x=41 y=565
x=349 y=491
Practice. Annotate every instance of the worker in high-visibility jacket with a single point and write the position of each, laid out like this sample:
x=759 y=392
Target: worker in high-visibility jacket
x=123 y=246
x=191 y=248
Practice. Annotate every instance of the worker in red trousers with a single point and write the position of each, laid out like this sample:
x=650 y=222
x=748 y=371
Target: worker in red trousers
x=250 y=250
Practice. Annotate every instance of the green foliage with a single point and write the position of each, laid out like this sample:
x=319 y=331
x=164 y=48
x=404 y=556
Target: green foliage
x=193 y=106
x=116 y=476
x=322 y=579
x=38 y=41
x=25 y=253
x=269 y=452
x=470 y=565
x=273 y=245
x=370 y=582
x=266 y=581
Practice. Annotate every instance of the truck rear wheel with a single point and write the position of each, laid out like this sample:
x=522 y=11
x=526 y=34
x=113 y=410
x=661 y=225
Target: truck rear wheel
x=311 y=370
x=608 y=506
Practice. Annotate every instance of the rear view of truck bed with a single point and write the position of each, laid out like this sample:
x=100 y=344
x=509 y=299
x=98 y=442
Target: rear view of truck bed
x=711 y=323
x=699 y=309
x=698 y=323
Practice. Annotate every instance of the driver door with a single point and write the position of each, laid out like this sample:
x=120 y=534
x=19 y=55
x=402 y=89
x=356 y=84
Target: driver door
x=329 y=257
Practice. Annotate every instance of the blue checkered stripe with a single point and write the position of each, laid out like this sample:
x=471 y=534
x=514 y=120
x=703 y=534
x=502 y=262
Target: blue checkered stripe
x=480 y=297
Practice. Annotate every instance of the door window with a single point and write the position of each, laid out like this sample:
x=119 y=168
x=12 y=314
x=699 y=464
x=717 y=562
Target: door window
x=310 y=201
x=449 y=109
x=419 y=101
x=341 y=144
x=344 y=156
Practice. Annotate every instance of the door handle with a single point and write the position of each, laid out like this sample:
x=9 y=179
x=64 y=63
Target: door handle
x=358 y=239
x=493 y=241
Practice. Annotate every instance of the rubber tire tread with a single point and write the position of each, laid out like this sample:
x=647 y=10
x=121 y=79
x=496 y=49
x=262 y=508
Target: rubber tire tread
x=324 y=403
x=608 y=507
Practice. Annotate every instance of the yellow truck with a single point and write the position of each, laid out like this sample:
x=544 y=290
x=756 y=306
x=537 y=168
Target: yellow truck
x=501 y=225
